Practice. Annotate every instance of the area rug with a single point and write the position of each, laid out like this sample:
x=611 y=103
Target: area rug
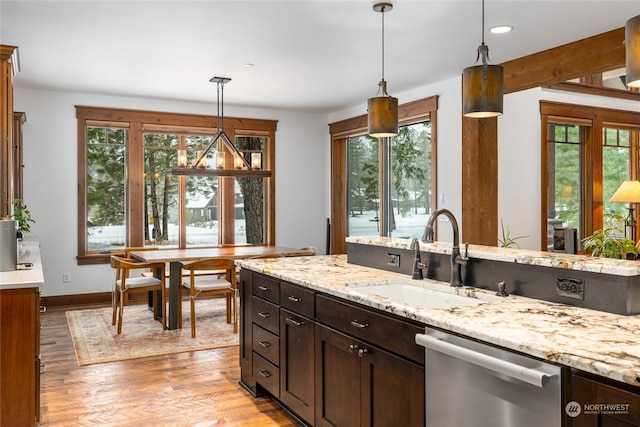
x=96 y=340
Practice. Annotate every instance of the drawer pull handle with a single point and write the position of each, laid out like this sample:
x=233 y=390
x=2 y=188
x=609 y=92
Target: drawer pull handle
x=263 y=288
x=294 y=298
x=294 y=322
x=363 y=352
x=264 y=343
x=263 y=314
x=265 y=374
x=359 y=324
x=353 y=348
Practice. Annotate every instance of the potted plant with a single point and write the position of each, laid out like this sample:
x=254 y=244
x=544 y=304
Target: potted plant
x=22 y=216
x=507 y=241
x=607 y=242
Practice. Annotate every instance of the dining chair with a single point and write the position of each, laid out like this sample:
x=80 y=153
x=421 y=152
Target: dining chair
x=125 y=284
x=143 y=272
x=205 y=278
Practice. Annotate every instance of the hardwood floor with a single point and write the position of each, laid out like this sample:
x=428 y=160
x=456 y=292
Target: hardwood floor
x=187 y=389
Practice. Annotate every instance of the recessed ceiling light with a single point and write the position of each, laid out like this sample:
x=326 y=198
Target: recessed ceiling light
x=248 y=64
x=500 y=29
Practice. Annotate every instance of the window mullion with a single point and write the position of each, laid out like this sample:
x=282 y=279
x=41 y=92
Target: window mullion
x=135 y=185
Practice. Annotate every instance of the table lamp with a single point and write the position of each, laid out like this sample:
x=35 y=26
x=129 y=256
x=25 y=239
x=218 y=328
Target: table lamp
x=629 y=192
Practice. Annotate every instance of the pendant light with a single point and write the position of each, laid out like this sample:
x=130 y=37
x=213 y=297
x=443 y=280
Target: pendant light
x=632 y=51
x=382 y=110
x=482 y=85
x=241 y=166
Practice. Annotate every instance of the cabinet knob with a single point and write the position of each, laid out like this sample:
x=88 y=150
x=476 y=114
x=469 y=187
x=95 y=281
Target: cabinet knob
x=263 y=314
x=353 y=348
x=363 y=352
x=264 y=343
x=294 y=298
x=263 y=288
x=265 y=374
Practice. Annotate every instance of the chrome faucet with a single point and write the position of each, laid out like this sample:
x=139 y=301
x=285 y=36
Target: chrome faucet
x=418 y=265
x=456 y=258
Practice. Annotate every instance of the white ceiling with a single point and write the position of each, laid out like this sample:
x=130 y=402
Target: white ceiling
x=316 y=56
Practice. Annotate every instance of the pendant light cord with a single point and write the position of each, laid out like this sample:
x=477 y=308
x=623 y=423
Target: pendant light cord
x=220 y=118
x=482 y=21
x=383 y=7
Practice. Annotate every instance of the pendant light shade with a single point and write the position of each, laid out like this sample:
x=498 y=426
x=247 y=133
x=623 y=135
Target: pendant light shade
x=632 y=51
x=482 y=85
x=382 y=111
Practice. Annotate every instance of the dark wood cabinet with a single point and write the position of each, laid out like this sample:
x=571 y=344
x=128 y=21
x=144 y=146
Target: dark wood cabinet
x=20 y=357
x=604 y=403
x=297 y=366
x=360 y=384
x=302 y=348
x=338 y=379
x=246 y=331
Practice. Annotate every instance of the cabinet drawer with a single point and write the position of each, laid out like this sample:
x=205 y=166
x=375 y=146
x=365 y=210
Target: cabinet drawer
x=389 y=333
x=266 y=374
x=266 y=287
x=297 y=299
x=266 y=344
x=266 y=315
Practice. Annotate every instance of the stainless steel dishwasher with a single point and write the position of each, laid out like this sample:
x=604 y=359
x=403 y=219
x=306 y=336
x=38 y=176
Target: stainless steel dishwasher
x=470 y=384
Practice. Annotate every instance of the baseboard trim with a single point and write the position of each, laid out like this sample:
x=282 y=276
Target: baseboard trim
x=82 y=299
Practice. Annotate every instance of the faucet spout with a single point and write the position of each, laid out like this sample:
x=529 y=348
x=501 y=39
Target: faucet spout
x=428 y=235
x=456 y=259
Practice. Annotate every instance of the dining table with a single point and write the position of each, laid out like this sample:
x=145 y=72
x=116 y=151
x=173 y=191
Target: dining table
x=175 y=257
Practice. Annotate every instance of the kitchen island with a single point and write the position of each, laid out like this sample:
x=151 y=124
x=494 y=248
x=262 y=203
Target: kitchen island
x=604 y=344
x=594 y=342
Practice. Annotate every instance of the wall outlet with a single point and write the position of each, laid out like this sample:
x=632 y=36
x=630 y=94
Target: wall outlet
x=570 y=288
x=393 y=259
x=66 y=277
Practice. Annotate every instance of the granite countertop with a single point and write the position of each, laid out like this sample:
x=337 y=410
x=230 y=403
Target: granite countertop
x=591 y=264
x=601 y=343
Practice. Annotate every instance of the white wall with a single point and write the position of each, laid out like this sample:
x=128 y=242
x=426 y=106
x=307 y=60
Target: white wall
x=519 y=169
x=50 y=177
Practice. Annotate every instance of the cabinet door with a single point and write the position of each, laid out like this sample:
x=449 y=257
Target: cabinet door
x=392 y=390
x=337 y=379
x=19 y=358
x=246 y=333
x=589 y=391
x=297 y=365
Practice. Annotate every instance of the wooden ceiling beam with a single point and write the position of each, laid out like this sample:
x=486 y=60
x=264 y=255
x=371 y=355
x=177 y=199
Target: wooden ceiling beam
x=592 y=55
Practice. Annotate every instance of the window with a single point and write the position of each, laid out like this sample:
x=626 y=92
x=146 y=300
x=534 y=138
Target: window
x=105 y=191
x=587 y=154
x=355 y=182
x=410 y=190
x=127 y=198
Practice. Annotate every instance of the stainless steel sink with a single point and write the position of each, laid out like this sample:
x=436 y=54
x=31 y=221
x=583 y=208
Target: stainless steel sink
x=420 y=293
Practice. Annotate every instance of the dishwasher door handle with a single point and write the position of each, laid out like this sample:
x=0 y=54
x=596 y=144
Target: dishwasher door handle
x=528 y=375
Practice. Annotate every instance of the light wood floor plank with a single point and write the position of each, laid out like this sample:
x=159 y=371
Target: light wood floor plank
x=187 y=389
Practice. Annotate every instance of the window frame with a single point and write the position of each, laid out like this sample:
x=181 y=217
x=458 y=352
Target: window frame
x=595 y=119
x=139 y=121
x=409 y=113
